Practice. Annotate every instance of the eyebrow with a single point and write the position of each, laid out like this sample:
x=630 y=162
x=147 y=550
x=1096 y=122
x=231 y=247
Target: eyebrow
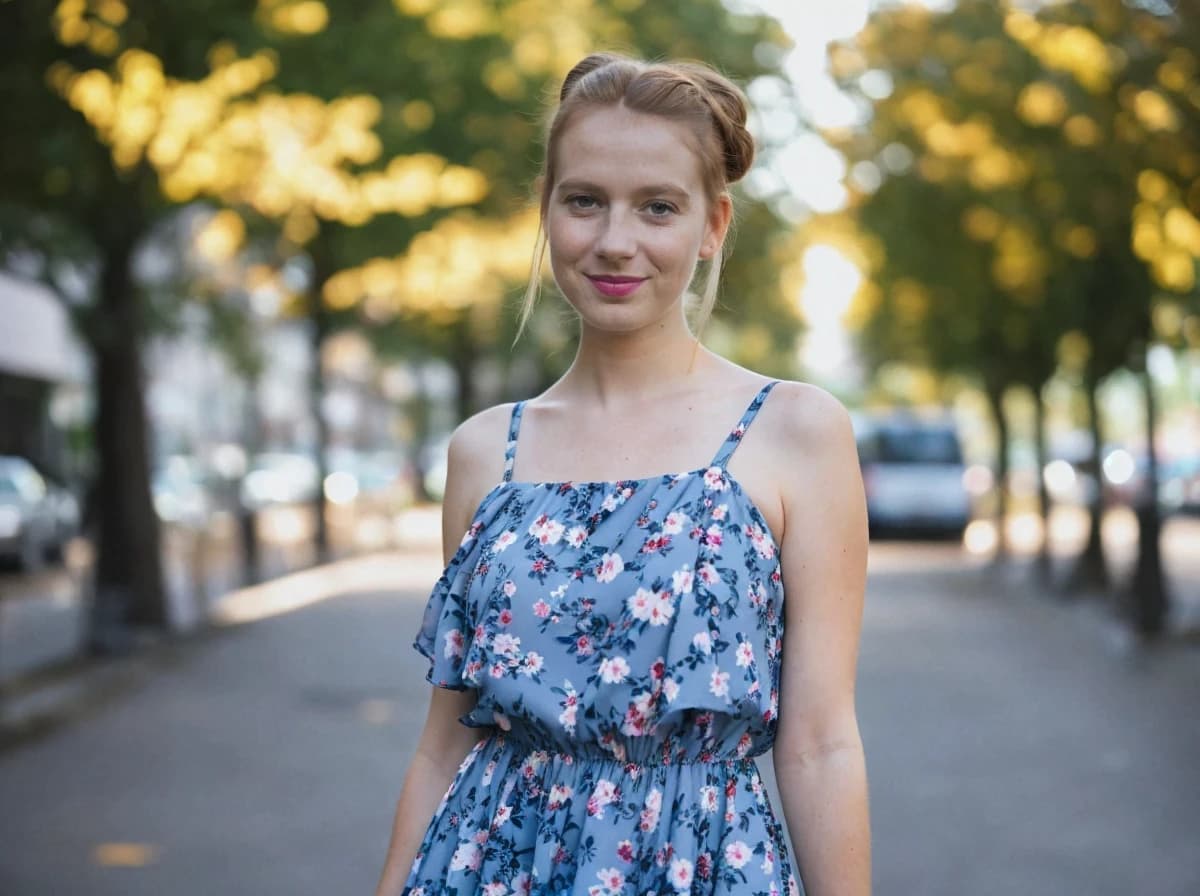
x=664 y=189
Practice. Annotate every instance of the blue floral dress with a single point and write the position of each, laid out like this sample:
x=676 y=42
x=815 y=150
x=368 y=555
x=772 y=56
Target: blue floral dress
x=624 y=638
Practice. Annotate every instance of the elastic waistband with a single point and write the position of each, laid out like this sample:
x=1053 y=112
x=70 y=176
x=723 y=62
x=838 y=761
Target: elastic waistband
x=597 y=752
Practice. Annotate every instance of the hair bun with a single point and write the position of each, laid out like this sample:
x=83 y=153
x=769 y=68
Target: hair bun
x=729 y=110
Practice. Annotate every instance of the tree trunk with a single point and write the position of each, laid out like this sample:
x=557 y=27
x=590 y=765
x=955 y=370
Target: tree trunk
x=1042 y=564
x=1146 y=601
x=995 y=396
x=129 y=585
x=464 y=353
x=320 y=331
x=1090 y=572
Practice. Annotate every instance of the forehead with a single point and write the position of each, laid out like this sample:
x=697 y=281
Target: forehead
x=616 y=147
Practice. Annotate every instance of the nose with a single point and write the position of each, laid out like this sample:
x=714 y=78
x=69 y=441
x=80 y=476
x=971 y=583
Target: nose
x=616 y=239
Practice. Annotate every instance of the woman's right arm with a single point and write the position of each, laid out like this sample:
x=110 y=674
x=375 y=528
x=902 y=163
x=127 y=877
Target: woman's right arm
x=472 y=468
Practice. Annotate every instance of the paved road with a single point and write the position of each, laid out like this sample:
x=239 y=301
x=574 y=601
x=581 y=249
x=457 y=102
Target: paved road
x=1013 y=747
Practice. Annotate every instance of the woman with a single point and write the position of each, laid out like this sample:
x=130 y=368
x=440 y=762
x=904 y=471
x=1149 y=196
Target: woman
x=607 y=641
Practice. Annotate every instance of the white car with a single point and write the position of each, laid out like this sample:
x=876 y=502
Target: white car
x=36 y=517
x=915 y=479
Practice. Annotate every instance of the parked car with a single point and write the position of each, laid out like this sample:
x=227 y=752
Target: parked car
x=915 y=479
x=37 y=516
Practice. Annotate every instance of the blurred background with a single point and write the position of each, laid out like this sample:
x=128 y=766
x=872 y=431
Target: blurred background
x=257 y=260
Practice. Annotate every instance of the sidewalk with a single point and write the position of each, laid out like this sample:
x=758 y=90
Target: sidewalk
x=1014 y=745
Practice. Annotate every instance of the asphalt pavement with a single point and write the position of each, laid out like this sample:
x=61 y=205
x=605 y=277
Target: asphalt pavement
x=1015 y=744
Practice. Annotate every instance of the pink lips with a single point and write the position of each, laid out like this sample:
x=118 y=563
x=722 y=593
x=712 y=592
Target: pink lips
x=616 y=286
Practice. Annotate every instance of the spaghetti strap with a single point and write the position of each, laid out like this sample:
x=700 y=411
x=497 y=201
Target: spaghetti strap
x=510 y=449
x=735 y=436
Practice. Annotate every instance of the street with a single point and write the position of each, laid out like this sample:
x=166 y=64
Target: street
x=1014 y=744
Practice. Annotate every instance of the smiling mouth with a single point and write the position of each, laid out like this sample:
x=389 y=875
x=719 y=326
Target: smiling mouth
x=612 y=285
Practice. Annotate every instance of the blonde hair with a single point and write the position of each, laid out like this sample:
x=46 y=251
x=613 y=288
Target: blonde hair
x=688 y=92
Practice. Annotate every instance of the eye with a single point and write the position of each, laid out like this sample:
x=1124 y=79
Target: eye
x=581 y=201
x=660 y=208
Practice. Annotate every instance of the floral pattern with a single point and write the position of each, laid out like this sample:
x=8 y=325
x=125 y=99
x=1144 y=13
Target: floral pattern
x=625 y=640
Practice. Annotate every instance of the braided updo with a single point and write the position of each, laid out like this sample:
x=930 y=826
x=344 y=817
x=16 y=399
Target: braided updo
x=688 y=92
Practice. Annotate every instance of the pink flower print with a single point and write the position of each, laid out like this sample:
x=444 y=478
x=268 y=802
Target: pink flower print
x=502 y=815
x=504 y=540
x=719 y=683
x=505 y=617
x=670 y=689
x=576 y=536
x=737 y=853
x=510 y=588
x=501 y=721
x=496 y=670
x=657 y=543
x=533 y=663
x=745 y=654
x=541 y=609
x=681 y=874
x=611 y=879
x=718 y=512
x=702 y=642
x=614 y=670
x=708 y=798
x=625 y=851
x=472 y=532
x=714 y=479
x=636 y=716
x=455 y=644
x=773 y=889
x=546 y=530
x=681 y=581
x=675 y=522
x=658 y=669
x=704 y=865
x=584 y=645
x=793 y=887
x=522 y=884
x=626 y=493
x=496 y=889
x=761 y=542
x=611 y=565
x=708 y=574
x=713 y=536
x=569 y=704
x=609 y=504
x=467 y=855
x=506 y=644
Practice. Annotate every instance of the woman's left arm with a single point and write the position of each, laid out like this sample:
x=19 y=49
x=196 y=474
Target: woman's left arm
x=818 y=755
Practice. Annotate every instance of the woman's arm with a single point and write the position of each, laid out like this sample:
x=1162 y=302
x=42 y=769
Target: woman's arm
x=471 y=468
x=818 y=755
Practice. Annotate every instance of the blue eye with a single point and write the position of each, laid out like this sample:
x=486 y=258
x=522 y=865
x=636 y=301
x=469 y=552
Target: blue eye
x=660 y=209
x=581 y=201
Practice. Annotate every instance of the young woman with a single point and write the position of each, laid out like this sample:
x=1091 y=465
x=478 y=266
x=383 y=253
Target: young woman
x=610 y=642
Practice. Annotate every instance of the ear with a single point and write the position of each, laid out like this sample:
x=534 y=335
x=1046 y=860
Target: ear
x=719 y=218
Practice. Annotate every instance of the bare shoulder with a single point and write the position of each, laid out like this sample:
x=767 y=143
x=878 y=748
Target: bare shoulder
x=811 y=420
x=474 y=464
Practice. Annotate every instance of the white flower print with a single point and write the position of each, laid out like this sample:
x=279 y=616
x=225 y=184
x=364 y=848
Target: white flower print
x=641 y=604
x=708 y=798
x=611 y=878
x=681 y=874
x=504 y=540
x=510 y=588
x=760 y=540
x=496 y=889
x=559 y=794
x=719 y=683
x=670 y=689
x=506 y=644
x=662 y=608
x=532 y=664
x=576 y=536
x=611 y=565
x=745 y=654
x=681 y=581
x=570 y=705
x=719 y=512
x=675 y=522
x=609 y=504
x=702 y=642
x=455 y=644
x=468 y=855
x=708 y=574
x=714 y=479
x=541 y=609
x=521 y=884
x=614 y=670
x=546 y=530
x=737 y=853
